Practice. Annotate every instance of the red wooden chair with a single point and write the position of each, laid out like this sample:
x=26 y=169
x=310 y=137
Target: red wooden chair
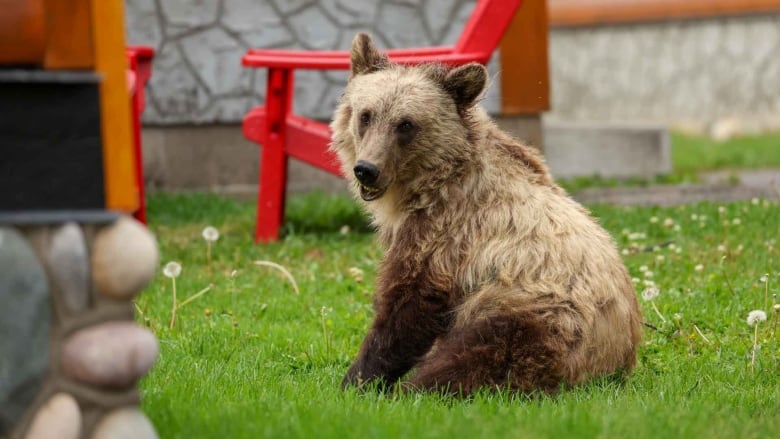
x=139 y=65
x=283 y=134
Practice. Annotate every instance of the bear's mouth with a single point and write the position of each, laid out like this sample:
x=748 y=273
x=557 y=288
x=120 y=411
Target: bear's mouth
x=368 y=193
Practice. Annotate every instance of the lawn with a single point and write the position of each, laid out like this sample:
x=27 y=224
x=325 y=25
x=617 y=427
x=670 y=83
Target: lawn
x=252 y=358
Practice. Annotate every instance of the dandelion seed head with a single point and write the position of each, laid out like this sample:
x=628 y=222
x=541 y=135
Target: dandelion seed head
x=650 y=293
x=698 y=267
x=755 y=201
x=736 y=221
x=210 y=234
x=344 y=230
x=660 y=258
x=721 y=248
x=776 y=307
x=764 y=278
x=676 y=228
x=668 y=222
x=172 y=269
x=721 y=210
x=643 y=268
x=356 y=274
x=677 y=316
x=648 y=282
x=694 y=216
x=624 y=251
x=649 y=273
x=635 y=280
x=653 y=219
x=756 y=316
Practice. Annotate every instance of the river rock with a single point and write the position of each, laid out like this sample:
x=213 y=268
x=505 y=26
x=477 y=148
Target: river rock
x=113 y=354
x=124 y=259
x=24 y=326
x=59 y=418
x=69 y=266
x=124 y=423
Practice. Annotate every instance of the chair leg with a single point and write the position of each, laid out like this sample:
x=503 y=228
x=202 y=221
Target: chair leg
x=273 y=160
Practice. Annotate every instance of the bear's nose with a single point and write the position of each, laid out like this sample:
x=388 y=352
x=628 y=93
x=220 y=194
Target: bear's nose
x=366 y=173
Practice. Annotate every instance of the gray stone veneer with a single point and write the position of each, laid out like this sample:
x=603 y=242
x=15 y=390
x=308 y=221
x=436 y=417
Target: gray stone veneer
x=695 y=71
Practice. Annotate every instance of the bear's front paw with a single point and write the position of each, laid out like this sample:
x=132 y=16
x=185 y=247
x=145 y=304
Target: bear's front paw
x=356 y=376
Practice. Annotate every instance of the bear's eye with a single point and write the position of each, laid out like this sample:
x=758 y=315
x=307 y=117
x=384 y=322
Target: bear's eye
x=405 y=127
x=405 y=132
x=365 y=119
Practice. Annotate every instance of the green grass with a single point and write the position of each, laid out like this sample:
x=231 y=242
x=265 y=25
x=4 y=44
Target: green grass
x=692 y=155
x=696 y=153
x=252 y=359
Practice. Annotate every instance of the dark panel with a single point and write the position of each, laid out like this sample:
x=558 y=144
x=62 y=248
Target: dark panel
x=50 y=144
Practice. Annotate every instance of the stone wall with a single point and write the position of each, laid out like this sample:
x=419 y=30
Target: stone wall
x=695 y=71
x=197 y=76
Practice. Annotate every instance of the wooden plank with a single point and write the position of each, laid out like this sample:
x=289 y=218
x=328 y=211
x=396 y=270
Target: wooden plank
x=22 y=32
x=68 y=35
x=525 y=73
x=570 y=13
x=110 y=62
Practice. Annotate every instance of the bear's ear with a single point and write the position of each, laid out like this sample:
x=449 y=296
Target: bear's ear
x=365 y=57
x=466 y=83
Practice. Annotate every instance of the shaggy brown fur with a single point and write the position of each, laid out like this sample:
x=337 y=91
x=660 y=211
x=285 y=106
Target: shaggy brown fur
x=492 y=275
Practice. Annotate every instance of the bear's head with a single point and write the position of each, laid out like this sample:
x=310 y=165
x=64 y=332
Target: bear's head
x=403 y=127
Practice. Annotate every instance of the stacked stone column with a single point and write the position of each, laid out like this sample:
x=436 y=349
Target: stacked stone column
x=70 y=352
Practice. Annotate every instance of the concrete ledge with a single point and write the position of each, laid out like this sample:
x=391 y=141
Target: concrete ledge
x=607 y=150
x=218 y=158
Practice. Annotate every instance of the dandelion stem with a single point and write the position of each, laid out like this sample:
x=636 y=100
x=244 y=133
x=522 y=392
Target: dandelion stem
x=173 y=309
x=138 y=309
x=766 y=294
x=701 y=334
x=325 y=332
x=284 y=271
x=208 y=256
x=726 y=276
x=755 y=346
x=196 y=295
x=655 y=308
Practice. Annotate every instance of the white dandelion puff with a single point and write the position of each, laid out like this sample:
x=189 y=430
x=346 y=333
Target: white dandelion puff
x=756 y=316
x=650 y=293
x=660 y=258
x=210 y=234
x=736 y=221
x=643 y=268
x=755 y=201
x=356 y=274
x=764 y=278
x=668 y=222
x=172 y=269
x=698 y=267
x=653 y=219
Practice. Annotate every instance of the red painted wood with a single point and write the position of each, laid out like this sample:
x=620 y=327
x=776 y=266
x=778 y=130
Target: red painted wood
x=140 y=65
x=273 y=161
x=284 y=134
x=308 y=141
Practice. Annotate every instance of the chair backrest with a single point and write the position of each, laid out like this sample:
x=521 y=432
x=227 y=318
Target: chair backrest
x=487 y=25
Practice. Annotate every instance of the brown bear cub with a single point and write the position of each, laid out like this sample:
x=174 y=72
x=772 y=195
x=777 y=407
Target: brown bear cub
x=492 y=277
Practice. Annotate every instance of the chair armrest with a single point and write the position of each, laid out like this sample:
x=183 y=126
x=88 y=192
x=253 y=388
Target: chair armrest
x=343 y=53
x=340 y=60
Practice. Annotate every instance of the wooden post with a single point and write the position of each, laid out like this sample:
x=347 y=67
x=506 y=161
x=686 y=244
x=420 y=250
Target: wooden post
x=525 y=73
